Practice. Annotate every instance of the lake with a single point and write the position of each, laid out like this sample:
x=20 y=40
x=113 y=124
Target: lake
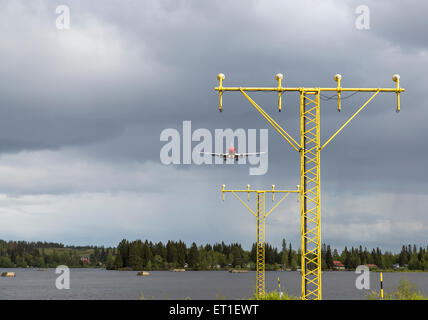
x=103 y=284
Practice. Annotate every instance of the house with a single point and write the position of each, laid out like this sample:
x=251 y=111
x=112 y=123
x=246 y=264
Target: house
x=371 y=265
x=85 y=259
x=337 y=265
x=396 y=266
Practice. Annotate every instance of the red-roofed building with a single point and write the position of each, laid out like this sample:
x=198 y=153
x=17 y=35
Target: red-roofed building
x=85 y=259
x=371 y=265
x=338 y=265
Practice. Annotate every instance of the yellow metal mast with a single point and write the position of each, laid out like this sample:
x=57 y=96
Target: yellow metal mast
x=261 y=216
x=309 y=148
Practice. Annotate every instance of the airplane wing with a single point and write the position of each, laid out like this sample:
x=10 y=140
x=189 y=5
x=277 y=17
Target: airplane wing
x=241 y=155
x=214 y=154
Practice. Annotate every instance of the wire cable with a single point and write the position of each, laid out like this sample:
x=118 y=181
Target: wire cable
x=326 y=98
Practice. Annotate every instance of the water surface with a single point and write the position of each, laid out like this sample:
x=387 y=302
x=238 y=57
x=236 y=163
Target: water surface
x=103 y=284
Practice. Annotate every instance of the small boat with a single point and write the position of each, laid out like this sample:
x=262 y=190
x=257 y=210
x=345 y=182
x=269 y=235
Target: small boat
x=8 y=274
x=238 y=271
x=143 y=273
x=178 y=270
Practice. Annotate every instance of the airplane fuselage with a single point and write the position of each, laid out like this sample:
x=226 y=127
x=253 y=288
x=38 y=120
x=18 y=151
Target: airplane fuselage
x=231 y=154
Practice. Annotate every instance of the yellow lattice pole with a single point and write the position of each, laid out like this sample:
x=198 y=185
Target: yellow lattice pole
x=261 y=216
x=261 y=227
x=310 y=208
x=309 y=147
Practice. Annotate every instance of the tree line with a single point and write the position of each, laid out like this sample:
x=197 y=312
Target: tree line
x=146 y=255
x=138 y=255
x=23 y=254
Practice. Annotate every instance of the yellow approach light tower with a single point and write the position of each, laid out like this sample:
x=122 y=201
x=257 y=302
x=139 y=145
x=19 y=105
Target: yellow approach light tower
x=261 y=216
x=309 y=148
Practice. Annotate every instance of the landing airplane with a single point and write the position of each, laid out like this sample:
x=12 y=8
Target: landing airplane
x=231 y=154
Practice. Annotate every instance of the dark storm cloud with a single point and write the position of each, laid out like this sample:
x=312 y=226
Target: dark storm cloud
x=401 y=23
x=190 y=42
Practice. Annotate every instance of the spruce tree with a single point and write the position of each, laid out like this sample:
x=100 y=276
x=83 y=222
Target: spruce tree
x=329 y=258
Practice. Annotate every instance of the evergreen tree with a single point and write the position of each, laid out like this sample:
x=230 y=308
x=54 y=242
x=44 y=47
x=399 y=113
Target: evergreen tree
x=123 y=251
x=171 y=252
x=253 y=254
x=284 y=254
x=236 y=256
x=329 y=258
x=403 y=259
x=118 y=262
x=194 y=257
x=290 y=256
x=181 y=253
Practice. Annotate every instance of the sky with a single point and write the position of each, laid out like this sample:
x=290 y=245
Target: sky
x=83 y=108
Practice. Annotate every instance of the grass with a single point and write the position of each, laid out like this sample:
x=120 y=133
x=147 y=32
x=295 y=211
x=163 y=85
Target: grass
x=81 y=252
x=396 y=270
x=142 y=297
x=275 y=295
x=406 y=290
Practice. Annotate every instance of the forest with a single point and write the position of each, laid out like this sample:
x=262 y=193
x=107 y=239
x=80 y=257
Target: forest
x=146 y=255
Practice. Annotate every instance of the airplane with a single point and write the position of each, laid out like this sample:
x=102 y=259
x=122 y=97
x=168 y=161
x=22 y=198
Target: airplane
x=231 y=154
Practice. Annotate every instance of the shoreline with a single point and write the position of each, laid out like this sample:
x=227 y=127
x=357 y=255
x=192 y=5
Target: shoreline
x=215 y=270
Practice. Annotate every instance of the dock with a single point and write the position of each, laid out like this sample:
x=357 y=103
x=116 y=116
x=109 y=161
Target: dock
x=8 y=274
x=238 y=271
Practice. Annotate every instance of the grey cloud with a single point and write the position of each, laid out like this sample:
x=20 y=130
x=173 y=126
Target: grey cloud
x=101 y=93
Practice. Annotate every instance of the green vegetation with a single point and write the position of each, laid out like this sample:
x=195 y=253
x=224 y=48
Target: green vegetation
x=139 y=255
x=22 y=254
x=409 y=259
x=275 y=295
x=145 y=255
x=406 y=290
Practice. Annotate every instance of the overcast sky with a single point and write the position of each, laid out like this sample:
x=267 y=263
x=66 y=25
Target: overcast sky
x=82 y=110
